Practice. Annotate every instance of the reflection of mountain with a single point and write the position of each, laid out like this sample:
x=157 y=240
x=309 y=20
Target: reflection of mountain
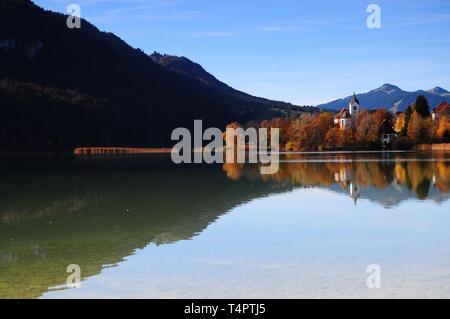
x=95 y=215
x=387 y=180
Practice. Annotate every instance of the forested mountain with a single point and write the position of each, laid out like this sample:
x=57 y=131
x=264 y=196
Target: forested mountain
x=62 y=88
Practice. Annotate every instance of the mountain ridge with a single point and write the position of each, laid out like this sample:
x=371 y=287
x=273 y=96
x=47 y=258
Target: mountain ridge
x=38 y=51
x=391 y=97
x=185 y=66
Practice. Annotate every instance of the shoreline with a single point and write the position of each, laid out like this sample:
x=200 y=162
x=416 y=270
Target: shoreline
x=80 y=151
x=434 y=147
x=94 y=151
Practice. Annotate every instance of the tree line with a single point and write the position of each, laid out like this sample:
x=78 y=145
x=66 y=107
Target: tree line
x=310 y=132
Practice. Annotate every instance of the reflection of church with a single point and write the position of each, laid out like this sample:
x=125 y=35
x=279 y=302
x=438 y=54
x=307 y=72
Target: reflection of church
x=355 y=189
x=348 y=179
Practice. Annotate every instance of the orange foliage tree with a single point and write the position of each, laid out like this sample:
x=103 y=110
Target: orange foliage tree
x=420 y=129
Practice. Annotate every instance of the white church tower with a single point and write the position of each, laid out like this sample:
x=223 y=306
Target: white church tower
x=353 y=107
x=355 y=189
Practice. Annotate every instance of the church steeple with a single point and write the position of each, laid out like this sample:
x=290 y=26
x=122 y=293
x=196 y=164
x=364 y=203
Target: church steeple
x=353 y=106
x=354 y=99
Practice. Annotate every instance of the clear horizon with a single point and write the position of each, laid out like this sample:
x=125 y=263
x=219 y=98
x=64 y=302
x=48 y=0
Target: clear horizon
x=303 y=53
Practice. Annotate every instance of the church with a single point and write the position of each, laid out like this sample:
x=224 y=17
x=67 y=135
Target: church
x=346 y=116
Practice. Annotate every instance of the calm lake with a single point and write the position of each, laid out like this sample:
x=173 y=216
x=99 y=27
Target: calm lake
x=146 y=228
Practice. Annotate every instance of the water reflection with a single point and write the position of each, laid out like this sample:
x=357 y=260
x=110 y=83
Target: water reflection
x=387 y=178
x=96 y=213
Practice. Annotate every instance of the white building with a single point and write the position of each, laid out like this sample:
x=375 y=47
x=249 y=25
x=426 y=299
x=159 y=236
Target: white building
x=387 y=133
x=443 y=109
x=345 y=117
x=354 y=106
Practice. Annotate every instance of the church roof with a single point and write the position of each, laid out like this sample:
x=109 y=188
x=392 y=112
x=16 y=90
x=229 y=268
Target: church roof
x=386 y=128
x=354 y=98
x=442 y=107
x=343 y=114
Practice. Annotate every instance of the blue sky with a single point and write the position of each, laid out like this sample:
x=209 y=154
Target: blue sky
x=304 y=52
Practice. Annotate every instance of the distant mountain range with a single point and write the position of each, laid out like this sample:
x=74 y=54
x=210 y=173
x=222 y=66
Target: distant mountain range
x=392 y=98
x=61 y=88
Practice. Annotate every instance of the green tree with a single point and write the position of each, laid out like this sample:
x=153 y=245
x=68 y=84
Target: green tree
x=422 y=108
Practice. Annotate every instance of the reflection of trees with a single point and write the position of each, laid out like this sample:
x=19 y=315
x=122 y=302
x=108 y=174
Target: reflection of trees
x=442 y=174
x=415 y=175
x=419 y=176
x=234 y=171
x=423 y=188
x=305 y=174
x=95 y=215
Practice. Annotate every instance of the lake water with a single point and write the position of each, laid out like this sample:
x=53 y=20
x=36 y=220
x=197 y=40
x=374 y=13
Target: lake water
x=145 y=228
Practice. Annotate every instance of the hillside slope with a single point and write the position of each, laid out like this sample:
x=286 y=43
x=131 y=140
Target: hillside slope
x=39 y=52
x=195 y=71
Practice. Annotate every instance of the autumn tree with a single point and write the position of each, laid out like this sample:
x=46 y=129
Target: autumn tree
x=323 y=123
x=333 y=139
x=443 y=129
x=408 y=113
x=367 y=132
x=382 y=114
x=308 y=132
x=347 y=139
x=420 y=129
x=282 y=124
